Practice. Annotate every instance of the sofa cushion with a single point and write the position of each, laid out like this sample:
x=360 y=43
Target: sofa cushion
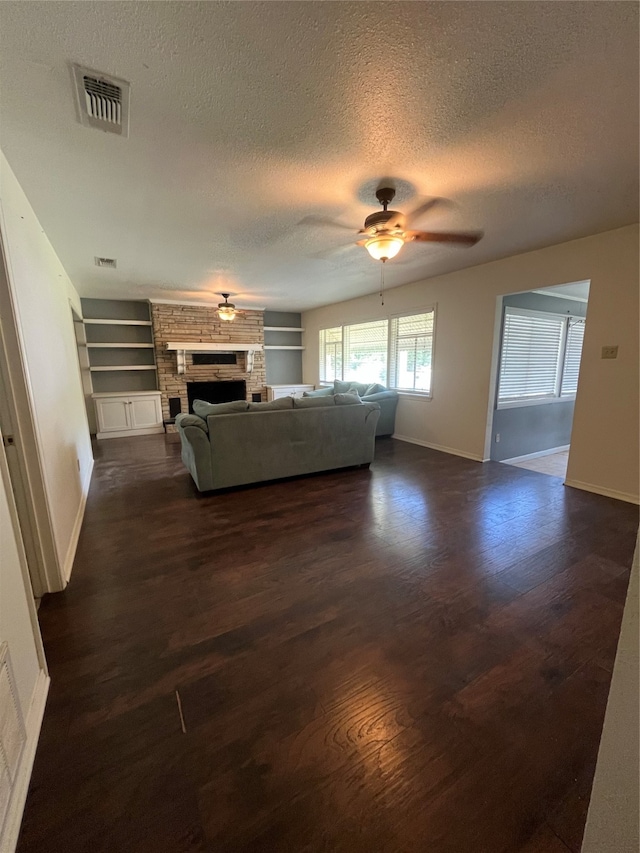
x=374 y=388
x=347 y=399
x=185 y=420
x=319 y=392
x=280 y=403
x=340 y=387
x=204 y=409
x=313 y=402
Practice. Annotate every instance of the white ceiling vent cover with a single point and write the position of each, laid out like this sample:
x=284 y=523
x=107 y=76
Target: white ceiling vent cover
x=102 y=101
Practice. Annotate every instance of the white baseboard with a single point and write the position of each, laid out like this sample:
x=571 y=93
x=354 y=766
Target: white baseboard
x=536 y=455
x=600 y=490
x=77 y=526
x=33 y=725
x=452 y=450
x=127 y=433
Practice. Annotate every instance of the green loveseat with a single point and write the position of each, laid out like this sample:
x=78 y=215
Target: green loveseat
x=368 y=393
x=232 y=444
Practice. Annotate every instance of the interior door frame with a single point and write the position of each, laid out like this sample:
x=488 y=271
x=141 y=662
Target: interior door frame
x=22 y=447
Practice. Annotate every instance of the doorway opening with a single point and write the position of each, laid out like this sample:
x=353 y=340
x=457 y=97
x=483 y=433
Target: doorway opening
x=537 y=371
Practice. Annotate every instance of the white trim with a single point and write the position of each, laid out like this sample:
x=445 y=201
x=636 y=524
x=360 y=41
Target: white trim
x=119 y=346
x=559 y=295
x=283 y=329
x=156 y=430
x=601 y=490
x=203 y=304
x=536 y=401
x=19 y=796
x=423 y=396
x=94 y=322
x=452 y=450
x=77 y=525
x=114 y=368
x=536 y=455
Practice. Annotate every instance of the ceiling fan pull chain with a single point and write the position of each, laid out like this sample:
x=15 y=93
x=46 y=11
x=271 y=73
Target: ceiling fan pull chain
x=382 y=281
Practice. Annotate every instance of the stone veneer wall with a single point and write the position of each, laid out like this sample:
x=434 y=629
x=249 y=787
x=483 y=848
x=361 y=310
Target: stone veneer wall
x=198 y=323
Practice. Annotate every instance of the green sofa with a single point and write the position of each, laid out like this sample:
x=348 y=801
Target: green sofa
x=368 y=393
x=232 y=444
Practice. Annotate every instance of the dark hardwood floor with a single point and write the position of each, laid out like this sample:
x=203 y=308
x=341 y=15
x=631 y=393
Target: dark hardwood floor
x=413 y=658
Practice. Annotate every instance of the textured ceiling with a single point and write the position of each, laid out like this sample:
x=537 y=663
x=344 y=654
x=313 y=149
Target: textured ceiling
x=247 y=117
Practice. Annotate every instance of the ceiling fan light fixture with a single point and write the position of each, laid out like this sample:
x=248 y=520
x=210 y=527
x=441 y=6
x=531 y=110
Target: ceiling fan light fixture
x=226 y=309
x=383 y=247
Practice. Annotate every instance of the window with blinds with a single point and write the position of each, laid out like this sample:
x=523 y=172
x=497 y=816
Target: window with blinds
x=365 y=351
x=331 y=354
x=540 y=356
x=410 y=352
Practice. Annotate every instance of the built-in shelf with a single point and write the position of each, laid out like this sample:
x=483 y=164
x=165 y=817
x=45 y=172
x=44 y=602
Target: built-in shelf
x=121 y=346
x=117 y=322
x=270 y=346
x=283 y=329
x=114 y=368
x=119 y=333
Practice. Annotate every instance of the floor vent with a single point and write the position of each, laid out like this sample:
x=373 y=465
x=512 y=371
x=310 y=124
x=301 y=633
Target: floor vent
x=102 y=101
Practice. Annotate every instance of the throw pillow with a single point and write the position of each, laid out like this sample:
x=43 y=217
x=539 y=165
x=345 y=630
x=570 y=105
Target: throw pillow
x=319 y=392
x=204 y=409
x=353 y=389
x=340 y=387
x=272 y=405
x=347 y=399
x=313 y=402
x=375 y=388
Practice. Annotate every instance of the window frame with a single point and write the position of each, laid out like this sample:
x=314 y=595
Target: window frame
x=558 y=396
x=407 y=392
x=417 y=395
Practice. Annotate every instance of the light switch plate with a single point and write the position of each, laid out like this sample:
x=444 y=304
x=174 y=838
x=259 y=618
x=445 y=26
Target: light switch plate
x=610 y=352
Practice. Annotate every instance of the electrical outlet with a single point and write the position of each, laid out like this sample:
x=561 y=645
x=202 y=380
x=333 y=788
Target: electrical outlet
x=497 y=438
x=610 y=352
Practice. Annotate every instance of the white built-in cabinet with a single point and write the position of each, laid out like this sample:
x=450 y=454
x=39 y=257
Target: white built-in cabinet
x=276 y=391
x=138 y=413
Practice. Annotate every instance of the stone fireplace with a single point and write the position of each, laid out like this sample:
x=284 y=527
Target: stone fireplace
x=199 y=324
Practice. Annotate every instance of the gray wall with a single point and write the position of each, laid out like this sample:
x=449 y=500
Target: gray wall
x=530 y=429
x=283 y=367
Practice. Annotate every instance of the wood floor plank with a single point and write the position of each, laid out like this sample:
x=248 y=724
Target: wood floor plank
x=408 y=658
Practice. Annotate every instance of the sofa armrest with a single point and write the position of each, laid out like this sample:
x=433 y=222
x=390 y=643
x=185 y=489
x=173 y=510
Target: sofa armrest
x=184 y=420
x=381 y=395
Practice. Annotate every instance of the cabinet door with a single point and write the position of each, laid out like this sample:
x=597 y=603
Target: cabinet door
x=145 y=412
x=113 y=414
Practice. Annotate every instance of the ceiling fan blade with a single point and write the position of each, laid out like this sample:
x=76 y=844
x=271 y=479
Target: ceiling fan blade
x=329 y=253
x=325 y=222
x=421 y=209
x=461 y=238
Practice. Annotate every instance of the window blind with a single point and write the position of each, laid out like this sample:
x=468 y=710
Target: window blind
x=410 y=351
x=573 y=353
x=365 y=351
x=331 y=354
x=531 y=355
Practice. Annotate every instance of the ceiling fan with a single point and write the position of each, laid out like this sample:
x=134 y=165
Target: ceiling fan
x=388 y=230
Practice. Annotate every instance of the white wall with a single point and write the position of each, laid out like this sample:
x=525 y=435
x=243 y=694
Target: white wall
x=42 y=295
x=605 y=439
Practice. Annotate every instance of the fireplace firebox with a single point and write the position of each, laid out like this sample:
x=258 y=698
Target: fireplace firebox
x=216 y=392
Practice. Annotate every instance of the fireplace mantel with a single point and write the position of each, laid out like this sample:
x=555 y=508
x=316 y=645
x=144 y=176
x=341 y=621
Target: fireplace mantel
x=181 y=348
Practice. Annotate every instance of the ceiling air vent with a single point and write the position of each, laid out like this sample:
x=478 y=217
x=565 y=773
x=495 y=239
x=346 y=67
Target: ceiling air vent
x=110 y=263
x=102 y=101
